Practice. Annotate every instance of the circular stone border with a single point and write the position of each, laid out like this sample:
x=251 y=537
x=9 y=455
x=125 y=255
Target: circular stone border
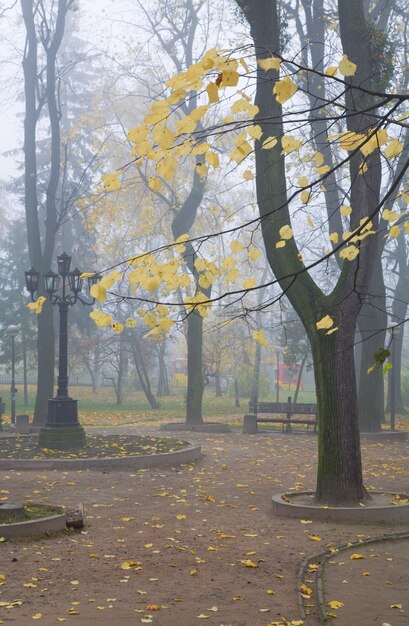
x=385 y=435
x=30 y=528
x=207 y=427
x=380 y=514
x=141 y=461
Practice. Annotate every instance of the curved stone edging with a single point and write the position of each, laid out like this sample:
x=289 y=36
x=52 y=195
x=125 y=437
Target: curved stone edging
x=30 y=528
x=322 y=558
x=385 y=435
x=379 y=514
x=142 y=461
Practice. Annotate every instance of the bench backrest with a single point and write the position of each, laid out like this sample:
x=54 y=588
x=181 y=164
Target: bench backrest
x=282 y=407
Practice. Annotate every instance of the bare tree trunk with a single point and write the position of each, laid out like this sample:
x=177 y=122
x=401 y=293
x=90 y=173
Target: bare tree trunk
x=41 y=248
x=25 y=381
x=142 y=373
x=163 y=381
x=299 y=377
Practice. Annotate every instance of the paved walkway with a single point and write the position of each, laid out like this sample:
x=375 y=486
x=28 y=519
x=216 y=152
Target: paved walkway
x=200 y=543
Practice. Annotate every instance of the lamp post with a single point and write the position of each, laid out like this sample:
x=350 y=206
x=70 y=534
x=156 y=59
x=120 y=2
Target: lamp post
x=12 y=332
x=62 y=429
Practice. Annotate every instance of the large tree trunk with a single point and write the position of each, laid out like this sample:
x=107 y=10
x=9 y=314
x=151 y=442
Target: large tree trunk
x=339 y=474
x=372 y=324
x=45 y=364
x=195 y=382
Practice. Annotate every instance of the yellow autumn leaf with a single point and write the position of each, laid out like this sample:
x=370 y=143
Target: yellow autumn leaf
x=248 y=563
x=117 y=327
x=286 y=232
x=269 y=143
x=284 y=89
x=98 y=292
x=248 y=175
x=260 y=337
x=37 y=306
x=37 y=616
x=212 y=159
x=254 y=253
x=305 y=196
x=315 y=537
x=138 y=134
x=272 y=63
x=318 y=158
x=254 y=131
x=310 y=222
x=280 y=244
x=394 y=232
x=201 y=170
x=356 y=556
x=130 y=322
x=391 y=216
x=345 y=210
x=249 y=283
x=306 y=591
x=393 y=149
x=165 y=324
x=129 y=564
x=111 y=182
x=236 y=246
x=213 y=93
x=335 y=604
x=290 y=144
x=154 y=183
x=324 y=323
x=230 y=78
x=331 y=70
x=347 y=67
x=349 y=253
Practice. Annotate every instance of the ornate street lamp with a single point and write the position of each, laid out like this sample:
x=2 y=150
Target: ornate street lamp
x=12 y=332
x=62 y=429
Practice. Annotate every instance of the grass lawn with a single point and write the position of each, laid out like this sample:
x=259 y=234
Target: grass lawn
x=101 y=409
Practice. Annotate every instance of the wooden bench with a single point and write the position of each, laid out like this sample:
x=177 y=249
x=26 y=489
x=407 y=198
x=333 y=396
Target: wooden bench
x=288 y=408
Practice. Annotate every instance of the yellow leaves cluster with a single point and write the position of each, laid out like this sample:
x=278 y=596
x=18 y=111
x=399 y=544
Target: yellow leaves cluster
x=111 y=182
x=198 y=303
x=100 y=318
x=259 y=337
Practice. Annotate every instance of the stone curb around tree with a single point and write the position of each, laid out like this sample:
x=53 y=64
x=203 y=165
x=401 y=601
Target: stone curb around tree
x=385 y=435
x=35 y=527
x=135 y=462
x=377 y=514
x=321 y=559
